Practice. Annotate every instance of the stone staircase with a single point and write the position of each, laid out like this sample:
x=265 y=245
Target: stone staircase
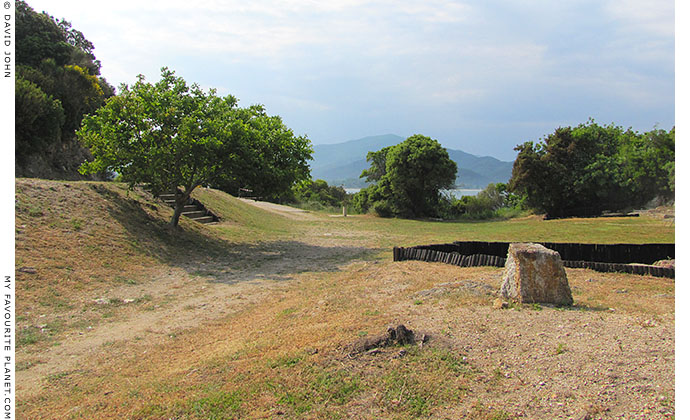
x=193 y=209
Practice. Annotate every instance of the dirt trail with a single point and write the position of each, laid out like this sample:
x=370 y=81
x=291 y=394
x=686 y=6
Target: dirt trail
x=190 y=297
x=196 y=301
x=285 y=211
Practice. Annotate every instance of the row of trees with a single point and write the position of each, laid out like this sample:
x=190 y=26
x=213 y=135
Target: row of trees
x=57 y=83
x=170 y=134
x=575 y=171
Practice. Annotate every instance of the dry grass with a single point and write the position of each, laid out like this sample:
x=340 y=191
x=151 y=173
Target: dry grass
x=223 y=335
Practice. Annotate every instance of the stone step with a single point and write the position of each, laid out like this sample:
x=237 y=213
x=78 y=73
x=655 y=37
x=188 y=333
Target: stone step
x=195 y=214
x=189 y=207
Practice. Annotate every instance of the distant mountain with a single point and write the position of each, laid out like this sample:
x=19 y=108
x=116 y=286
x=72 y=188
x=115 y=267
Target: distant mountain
x=479 y=171
x=343 y=163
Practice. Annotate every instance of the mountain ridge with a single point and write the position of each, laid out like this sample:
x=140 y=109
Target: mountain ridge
x=342 y=163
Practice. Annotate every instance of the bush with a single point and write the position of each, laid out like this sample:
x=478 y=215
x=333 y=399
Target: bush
x=588 y=169
x=318 y=195
x=383 y=209
x=491 y=203
x=360 y=202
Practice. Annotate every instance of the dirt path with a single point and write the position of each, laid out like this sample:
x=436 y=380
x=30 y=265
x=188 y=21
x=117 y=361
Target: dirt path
x=187 y=297
x=285 y=211
x=195 y=302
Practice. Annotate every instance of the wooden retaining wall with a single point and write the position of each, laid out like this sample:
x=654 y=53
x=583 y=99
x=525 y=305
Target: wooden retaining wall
x=624 y=258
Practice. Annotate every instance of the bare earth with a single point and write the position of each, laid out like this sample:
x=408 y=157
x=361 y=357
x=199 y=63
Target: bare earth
x=285 y=211
x=591 y=362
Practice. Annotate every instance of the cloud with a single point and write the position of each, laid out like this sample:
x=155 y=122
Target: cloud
x=275 y=30
x=655 y=18
x=347 y=66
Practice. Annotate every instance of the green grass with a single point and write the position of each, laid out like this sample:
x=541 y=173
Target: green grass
x=243 y=222
x=426 y=379
x=386 y=233
x=28 y=335
x=77 y=224
x=284 y=362
x=412 y=232
x=286 y=312
x=298 y=389
x=218 y=405
x=55 y=299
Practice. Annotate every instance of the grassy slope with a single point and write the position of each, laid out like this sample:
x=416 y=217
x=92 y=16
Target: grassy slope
x=78 y=240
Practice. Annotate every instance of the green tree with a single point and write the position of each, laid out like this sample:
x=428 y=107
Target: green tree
x=38 y=38
x=572 y=172
x=38 y=119
x=167 y=135
x=377 y=160
x=649 y=164
x=278 y=158
x=584 y=170
x=416 y=170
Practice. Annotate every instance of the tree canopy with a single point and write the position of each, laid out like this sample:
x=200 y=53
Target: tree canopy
x=278 y=158
x=584 y=170
x=409 y=184
x=57 y=83
x=171 y=135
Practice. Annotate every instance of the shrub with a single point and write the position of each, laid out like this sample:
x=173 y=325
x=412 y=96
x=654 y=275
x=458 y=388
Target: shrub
x=318 y=195
x=491 y=203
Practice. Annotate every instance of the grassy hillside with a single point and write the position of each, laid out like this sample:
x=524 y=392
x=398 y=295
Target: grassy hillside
x=77 y=241
x=258 y=316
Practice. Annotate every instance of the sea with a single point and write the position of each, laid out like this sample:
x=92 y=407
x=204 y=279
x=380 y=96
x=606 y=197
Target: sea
x=457 y=193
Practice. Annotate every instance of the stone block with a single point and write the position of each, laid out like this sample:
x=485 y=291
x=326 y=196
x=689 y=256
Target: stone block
x=535 y=274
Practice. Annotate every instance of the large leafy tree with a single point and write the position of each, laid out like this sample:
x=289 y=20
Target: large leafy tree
x=39 y=37
x=584 y=170
x=649 y=164
x=170 y=135
x=377 y=162
x=416 y=171
x=167 y=135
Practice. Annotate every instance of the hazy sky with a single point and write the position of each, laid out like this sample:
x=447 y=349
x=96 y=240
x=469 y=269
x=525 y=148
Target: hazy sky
x=480 y=76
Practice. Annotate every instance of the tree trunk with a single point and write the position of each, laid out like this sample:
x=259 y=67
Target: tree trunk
x=176 y=215
x=180 y=201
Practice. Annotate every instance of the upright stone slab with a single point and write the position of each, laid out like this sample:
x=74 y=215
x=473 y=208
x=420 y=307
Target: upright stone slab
x=535 y=274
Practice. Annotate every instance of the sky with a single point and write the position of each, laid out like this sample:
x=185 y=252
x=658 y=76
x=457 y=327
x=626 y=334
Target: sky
x=479 y=76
